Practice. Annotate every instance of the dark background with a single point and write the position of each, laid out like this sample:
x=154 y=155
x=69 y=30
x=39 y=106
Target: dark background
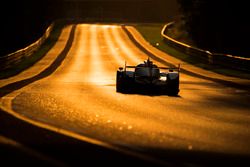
x=24 y=21
x=219 y=26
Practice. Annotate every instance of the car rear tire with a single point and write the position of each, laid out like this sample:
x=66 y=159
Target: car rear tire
x=173 y=87
x=120 y=81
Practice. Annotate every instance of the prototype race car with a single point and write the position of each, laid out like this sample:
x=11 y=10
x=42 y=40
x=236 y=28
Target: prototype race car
x=147 y=76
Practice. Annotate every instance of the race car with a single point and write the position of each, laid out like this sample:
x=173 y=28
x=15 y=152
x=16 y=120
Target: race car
x=148 y=76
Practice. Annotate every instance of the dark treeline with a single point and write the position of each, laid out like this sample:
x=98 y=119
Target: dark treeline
x=121 y=10
x=23 y=22
x=220 y=26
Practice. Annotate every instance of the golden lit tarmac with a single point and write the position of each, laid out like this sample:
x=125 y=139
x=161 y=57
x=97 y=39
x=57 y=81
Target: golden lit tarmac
x=80 y=96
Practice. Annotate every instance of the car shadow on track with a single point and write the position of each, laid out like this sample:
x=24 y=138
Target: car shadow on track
x=149 y=92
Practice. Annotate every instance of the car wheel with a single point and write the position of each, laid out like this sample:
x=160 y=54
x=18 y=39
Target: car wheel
x=120 y=82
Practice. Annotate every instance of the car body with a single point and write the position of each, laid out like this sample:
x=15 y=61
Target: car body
x=148 y=76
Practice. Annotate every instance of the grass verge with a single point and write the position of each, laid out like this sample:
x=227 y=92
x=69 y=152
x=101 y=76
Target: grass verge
x=152 y=33
x=39 y=54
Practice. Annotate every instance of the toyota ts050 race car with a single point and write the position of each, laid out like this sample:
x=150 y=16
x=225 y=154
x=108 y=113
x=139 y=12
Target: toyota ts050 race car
x=148 y=76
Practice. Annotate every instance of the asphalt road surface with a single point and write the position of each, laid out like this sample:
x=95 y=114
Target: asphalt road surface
x=77 y=93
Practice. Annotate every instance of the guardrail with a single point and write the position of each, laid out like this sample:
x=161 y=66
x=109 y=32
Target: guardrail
x=205 y=56
x=13 y=59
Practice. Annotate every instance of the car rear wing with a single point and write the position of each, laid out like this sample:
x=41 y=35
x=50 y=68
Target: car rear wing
x=178 y=68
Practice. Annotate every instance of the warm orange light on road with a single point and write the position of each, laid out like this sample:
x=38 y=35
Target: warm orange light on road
x=80 y=97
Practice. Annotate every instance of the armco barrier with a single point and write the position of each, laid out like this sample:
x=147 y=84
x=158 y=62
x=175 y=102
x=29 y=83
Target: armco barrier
x=13 y=59
x=235 y=62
